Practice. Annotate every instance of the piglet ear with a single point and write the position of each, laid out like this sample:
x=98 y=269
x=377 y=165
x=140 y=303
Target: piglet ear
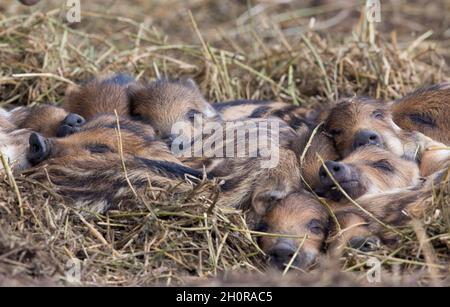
x=322 y=114
x=189 y=82
x=358 y=99
x=264 y=202
x=325 y=110
x=135 y=90
x=389 y=104
x=136 y=95
x=209 y=111
x=342 y=100
x=120 y=79
x=72 y=89
x=422 y=100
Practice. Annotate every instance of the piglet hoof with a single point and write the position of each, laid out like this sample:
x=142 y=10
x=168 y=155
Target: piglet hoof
x=365 y=244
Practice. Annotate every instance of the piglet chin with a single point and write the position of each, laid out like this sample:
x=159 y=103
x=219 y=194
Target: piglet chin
x=304 y=261
x=352 y=188
x=307 y=259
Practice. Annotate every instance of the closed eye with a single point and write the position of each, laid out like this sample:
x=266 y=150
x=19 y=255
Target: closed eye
x=383 y=165
x=378 y=114
x=335 y=132
x=98 y=148
x=422 y=120
x=316 y=227
x=192 y=113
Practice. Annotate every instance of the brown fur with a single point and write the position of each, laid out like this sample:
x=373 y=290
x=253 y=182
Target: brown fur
x=300 y=215
x=353 y=226
x=163 y=103
x=355 y=114
x=101 y=136
x=13 y=143
x=293 y=115
x=395 y=174
x=395 y=208
x=246 y=184
x=6 y=124
x=320 y=146
x=426 y=110
x=372 y=170
x=97 y=183
x=392 y=208
x=257 y=188
x=44 y=119
x=97 y=97
x=86 y=167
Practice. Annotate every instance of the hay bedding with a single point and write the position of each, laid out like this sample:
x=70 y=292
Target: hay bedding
x=180 y=240
x=132 y=247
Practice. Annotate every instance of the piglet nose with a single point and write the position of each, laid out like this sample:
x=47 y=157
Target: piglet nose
x=281 y=254
x=336 y=169
x=73 y=120
x=71 y=124
x=366 y=137
x=39 y=148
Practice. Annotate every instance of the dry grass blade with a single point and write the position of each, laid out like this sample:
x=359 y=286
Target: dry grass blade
x=289 y=51
x=12 y=182
x=352 y=201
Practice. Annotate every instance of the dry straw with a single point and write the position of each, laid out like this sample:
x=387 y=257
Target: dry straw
x=267 y=53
